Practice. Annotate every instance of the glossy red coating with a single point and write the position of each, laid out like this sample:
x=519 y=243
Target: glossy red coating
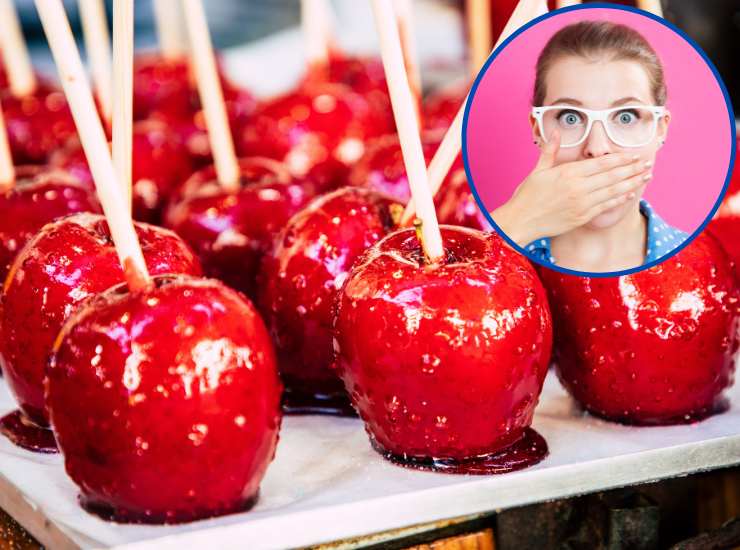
x=726 y=230
x=231 y=232
x=363 y=75
x=165 y=89
x=38 y=197
x=37 y=124
x=528 y=450
x=456 y=204
x=653 y=347
x=725 y=227
x=192 y=131
x=253 y=169
x=501 y=11
x=161 y=162
x=23 y=433
x=163 y=85
x=318 y=131
x=382 y=168
x=439 y=109
x=299 y=282
x=730 y=205
x=165 y=403
x=443 y=362
x=67 y=262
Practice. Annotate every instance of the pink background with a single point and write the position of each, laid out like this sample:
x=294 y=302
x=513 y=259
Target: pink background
x=690 y=169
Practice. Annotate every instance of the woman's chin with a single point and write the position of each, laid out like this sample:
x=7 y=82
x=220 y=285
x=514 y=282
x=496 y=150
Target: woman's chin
x=608 y=218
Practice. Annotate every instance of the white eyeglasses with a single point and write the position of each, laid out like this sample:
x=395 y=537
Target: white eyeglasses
x=628 y=126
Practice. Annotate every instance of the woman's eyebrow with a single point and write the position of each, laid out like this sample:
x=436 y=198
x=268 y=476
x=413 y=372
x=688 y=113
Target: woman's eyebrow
x=569 y=100
x=626 y=100
x=617 y=103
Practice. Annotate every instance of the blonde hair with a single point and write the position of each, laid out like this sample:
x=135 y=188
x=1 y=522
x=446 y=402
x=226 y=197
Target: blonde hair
x=595 y=39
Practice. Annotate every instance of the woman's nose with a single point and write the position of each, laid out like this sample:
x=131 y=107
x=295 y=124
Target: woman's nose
x=597 y=143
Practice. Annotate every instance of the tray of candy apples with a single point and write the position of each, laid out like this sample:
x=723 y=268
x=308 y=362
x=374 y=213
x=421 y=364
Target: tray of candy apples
x=267 y=323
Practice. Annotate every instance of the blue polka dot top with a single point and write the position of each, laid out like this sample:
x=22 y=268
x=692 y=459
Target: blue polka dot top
x=661 y=238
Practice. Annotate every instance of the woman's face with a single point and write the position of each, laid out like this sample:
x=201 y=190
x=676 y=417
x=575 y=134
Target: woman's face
x=601 y=84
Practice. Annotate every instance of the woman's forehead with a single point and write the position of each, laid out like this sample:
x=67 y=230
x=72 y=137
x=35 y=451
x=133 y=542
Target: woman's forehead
x=596 y=83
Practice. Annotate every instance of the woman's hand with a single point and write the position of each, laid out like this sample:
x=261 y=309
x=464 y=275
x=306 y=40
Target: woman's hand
x=553 y=200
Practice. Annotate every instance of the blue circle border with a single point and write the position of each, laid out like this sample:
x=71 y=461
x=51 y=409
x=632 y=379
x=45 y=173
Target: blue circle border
x=594 y=5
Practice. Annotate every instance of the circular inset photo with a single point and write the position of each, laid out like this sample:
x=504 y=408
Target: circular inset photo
x=599 y=140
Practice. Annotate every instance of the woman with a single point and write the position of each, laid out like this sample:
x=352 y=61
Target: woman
x=599 y=118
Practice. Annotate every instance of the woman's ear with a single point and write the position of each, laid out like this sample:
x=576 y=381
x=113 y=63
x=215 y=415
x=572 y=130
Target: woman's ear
x=663 y=125
x=536 y=136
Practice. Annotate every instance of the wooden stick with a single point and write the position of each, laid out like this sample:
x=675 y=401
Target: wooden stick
x=90 y=129
x=451 y=144
x=317 y=31
x=406 y=28
x=540 y=9
x=97 y=46
x=123 y=93
x=653 y=6
x=402 y=101
x=567 y=3
x=17 y=61
x=173 y=40
x=211 y=96
x=479 y=33
x=7 y=170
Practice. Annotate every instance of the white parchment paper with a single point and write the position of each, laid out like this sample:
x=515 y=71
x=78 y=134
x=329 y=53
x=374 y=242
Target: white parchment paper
x=326 y=483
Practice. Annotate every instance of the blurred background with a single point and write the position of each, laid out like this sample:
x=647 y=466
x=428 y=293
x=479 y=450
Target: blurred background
x=714 y=24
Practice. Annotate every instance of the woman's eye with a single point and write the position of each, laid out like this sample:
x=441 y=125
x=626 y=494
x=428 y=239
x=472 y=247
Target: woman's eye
x=626 y=117
x=569 y=118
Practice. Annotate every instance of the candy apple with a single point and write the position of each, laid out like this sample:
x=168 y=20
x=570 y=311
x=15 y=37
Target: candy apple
x=299 y=282
x=653 y=347
x=67 y=262
x=166 y=401
x=445 y=362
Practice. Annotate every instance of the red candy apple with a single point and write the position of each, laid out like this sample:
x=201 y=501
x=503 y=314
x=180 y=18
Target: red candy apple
x=160 y=163
x=254 y=169
x=37 y=124
x=725 y=227
x=38 y=197
x=319 y=131
x=445 y=363
x=162 y=85
x=731 y=203
x=382 y=168
x=64 y=264
x=653 y=347
x=441 y=107
x=456 y=204
x=298 y=284
x=363 y=75
x=165 y=402
x=231 y=232
x=191 y=129
x=167 y=87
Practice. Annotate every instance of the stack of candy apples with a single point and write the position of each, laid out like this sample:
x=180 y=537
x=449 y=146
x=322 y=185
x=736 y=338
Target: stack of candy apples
x=183 y=264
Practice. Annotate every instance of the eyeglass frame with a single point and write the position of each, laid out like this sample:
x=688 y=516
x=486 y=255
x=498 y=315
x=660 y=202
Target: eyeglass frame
x=600 y=115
